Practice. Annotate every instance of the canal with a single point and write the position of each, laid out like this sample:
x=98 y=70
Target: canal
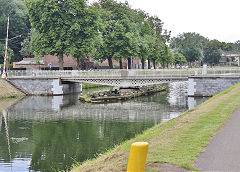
x=53 y=133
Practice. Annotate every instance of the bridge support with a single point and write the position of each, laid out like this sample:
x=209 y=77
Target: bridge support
x=50 y=86
x=210 y=85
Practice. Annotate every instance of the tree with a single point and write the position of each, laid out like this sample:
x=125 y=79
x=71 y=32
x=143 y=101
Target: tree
x=9 y=58
x=145 y=36
x=2 y=45
x=179 y=58
x=103 y=50
x=19 y=24
x=26 y=50
x=167 y=57
x=83 y=32
x=161 y=52
x=118 y=31
x=236 y=46
x=60 y=26
x=190 y=45
x=212 y=53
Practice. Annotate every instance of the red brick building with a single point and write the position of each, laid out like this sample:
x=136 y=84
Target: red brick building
x=135 y=63
x=45 y=63
x=69 y=63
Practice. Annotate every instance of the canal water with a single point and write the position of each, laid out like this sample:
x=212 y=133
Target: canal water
x=53 y=133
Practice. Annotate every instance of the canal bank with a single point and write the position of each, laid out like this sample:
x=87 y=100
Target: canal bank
x=178 y=141
x=8 y=91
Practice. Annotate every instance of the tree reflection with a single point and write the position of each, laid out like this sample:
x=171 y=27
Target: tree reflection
x=58 y=145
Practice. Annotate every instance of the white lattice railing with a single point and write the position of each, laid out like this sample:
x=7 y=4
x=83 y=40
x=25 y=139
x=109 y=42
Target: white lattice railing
x=117 y=73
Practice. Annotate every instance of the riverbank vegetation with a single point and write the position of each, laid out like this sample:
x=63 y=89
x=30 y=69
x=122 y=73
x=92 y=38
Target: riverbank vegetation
x=178 y=141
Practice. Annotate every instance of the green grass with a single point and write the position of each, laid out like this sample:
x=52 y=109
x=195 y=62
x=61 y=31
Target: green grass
x=8 y=91
x=178 y=141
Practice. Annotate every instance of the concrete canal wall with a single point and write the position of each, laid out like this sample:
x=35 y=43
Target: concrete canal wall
x=42 y=86
x=198 y=85
x=210 y=85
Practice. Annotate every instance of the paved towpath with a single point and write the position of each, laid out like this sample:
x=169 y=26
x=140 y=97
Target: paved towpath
x=223 y=151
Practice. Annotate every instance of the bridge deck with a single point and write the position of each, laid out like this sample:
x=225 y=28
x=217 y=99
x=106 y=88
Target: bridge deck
x=123 y=78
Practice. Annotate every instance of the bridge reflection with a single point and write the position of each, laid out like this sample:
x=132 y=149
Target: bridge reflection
x=65 y=108
x=158 y=107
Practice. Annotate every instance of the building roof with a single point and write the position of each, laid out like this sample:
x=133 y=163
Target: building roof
x=230 y=54
x=30 y=61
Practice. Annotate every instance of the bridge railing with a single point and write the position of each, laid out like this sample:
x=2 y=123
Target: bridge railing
x=117 y=73
x=105 y=73
x=223 y=71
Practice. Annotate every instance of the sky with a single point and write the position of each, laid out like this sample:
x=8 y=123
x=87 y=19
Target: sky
x=213 y=19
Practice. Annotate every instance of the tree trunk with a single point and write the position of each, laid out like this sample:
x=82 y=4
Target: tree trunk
x=82 y=64
x=78 y=63
x=143 y=63
x=129 y=63
x=60 y=61
x=120 y=63
x=154 y=63
x=190 y=64
x=149 y=64
x=110 y=63
x=163 y=65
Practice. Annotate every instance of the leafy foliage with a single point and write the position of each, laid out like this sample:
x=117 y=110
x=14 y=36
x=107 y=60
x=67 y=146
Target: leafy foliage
x=190 y=45
x=118 y=31
x=63 y=27
x=212 y=53
x=19 y=24
x=179 y=58
x=26 y=50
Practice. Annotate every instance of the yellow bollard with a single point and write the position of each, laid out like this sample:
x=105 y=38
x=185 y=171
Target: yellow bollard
x=137 y=157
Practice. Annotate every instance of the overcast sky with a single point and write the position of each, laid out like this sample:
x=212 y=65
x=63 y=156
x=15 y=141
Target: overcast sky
x=214 y=19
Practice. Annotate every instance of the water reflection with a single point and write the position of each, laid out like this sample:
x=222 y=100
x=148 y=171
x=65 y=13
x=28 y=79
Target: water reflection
x=50 y=133
x=194 y=101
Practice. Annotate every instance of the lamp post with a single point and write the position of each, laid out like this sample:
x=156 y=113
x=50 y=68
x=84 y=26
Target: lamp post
x=4 y=75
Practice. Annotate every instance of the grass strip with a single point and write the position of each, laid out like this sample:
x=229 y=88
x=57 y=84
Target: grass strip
x=178 y=141
x=7 y=91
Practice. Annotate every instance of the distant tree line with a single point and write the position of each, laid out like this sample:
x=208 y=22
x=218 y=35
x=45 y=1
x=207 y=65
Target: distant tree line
x=195 y=47
x=104 y=30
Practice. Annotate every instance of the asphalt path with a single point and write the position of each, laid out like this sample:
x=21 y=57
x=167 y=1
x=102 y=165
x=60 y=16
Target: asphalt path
x=223 y=152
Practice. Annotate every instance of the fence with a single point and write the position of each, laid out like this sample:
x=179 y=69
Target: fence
x=116 y=73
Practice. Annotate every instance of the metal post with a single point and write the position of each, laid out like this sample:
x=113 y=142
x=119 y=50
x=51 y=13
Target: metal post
x=5 y=57
x=137 y=157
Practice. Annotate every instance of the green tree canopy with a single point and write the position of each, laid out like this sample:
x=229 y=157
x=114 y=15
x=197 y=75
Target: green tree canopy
x=26 y=50
x=118 y=31
x=179 y=58
x=62 y=26
x=83 y=33
x=190 y=45
x=19 y=25
x=161 y=52
x=212 y=53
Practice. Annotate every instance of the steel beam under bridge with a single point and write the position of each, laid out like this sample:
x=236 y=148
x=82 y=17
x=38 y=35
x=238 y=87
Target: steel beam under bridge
x=126 y=81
